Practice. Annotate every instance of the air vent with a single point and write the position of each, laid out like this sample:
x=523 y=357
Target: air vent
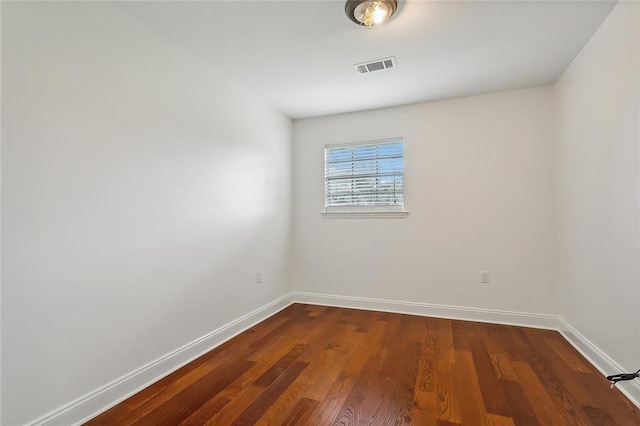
x=378 y=65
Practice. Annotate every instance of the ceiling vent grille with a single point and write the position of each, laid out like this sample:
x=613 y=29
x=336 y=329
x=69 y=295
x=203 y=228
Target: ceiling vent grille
x=377 y=65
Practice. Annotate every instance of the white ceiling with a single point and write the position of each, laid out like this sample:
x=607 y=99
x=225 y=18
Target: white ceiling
x=299 y=55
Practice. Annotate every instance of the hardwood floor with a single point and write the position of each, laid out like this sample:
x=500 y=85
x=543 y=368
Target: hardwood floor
x=314 y=365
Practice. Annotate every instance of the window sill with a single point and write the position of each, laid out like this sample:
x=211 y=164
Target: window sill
x=365 y=215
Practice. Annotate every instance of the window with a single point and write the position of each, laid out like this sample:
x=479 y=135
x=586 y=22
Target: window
x=364 y=177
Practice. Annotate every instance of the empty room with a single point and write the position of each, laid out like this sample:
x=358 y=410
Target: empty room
x=320 y=212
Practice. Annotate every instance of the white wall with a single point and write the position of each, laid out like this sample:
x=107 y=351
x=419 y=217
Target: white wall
x=598 y=184
x=0 y=217
x=479 y=188
x=141 y=192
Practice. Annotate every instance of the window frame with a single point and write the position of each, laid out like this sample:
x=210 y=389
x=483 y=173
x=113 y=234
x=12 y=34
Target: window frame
x=357 y=212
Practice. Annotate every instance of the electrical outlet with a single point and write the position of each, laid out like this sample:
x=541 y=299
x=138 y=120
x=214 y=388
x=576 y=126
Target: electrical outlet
x=258 y=277
x=484 y=277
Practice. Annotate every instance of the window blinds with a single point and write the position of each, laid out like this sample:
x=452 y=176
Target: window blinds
x=367 y=175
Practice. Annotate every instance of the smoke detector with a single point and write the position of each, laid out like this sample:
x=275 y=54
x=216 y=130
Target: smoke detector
x=377 y=65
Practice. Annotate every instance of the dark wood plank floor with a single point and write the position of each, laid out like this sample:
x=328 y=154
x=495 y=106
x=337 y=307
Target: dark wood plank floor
x=330 y=366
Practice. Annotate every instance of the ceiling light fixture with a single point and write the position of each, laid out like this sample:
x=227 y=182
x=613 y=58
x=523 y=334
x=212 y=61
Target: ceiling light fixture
x=370 y=13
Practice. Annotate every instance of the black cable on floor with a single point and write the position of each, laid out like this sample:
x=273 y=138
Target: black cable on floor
x=622 y=377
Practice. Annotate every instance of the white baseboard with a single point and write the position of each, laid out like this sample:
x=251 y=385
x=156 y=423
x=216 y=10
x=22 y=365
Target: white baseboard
x=600 y=360
x=549 y=322
x=595 y=356
x=100 y=400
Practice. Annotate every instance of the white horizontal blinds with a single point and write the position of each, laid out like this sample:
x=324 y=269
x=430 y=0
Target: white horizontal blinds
x=364 y=175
